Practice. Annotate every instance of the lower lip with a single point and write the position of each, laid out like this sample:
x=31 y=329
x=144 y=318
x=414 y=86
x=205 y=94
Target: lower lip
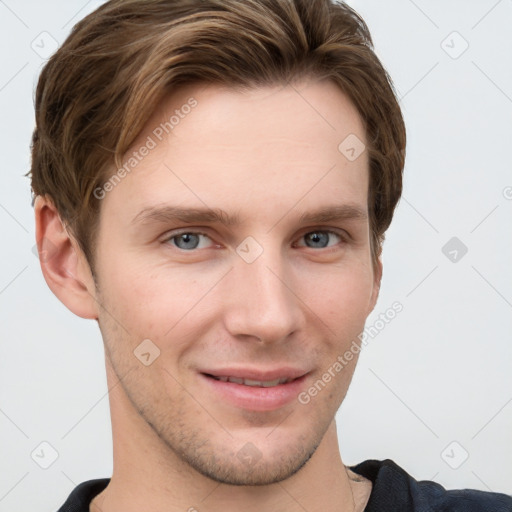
x=256 y=398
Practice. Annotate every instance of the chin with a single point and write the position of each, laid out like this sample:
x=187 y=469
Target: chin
x=250 y=468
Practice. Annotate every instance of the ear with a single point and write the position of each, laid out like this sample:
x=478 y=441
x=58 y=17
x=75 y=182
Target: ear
x=377 y=277
x=65 y=268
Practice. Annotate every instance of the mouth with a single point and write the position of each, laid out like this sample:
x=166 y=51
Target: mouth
x=255 y=390
x=251 y=382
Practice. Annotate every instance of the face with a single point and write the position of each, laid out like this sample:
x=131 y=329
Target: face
x=243 y=312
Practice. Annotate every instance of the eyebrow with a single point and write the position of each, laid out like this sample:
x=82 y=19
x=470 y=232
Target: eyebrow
x=335 y=213
x=170 y=213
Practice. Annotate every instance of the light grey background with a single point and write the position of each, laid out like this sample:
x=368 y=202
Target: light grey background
x=432 y=388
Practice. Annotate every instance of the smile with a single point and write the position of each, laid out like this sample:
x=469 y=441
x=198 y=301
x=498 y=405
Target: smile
x=251 y=382
x=254 y=390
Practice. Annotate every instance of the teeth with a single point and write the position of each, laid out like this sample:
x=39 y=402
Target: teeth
x=271 y=383
x=256 y=383
x=266 y=384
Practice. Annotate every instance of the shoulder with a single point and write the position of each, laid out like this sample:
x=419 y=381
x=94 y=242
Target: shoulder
x=82 y=495
x=396 y=490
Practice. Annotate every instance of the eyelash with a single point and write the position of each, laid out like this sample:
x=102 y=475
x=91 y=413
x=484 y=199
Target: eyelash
x=173 y=235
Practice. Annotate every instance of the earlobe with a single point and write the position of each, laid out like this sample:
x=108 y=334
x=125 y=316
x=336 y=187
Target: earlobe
x=63 y=264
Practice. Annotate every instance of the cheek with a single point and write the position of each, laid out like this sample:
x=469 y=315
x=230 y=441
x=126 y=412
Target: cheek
x=342 y=297
x=163 y=302
x=158 y=303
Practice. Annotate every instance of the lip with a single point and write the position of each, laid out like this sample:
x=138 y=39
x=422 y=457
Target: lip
x=255 y=398
x=257 y=374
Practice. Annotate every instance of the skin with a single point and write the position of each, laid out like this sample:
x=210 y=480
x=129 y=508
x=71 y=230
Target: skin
x=268 y=154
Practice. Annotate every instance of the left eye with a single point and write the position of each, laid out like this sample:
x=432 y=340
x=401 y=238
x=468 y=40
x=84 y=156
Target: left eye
x=190 y=240
x=320 y=239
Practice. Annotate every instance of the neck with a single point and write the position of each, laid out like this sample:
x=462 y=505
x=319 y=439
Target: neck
x=148 y=475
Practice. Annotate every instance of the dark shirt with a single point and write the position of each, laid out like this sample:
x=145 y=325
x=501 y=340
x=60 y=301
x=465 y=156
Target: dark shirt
x=393 y=490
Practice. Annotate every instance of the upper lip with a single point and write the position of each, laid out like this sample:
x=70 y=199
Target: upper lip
x=257 y=374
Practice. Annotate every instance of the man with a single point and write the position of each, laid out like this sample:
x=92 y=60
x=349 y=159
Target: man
x=213 y=181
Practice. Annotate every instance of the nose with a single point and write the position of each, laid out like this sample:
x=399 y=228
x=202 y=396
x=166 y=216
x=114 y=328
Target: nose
x=262 y=302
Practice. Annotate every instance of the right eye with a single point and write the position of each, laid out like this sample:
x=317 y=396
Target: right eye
x=186 y=240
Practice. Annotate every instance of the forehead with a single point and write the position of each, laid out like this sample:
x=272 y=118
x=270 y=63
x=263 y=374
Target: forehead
x=266 y=111
x=214 y=146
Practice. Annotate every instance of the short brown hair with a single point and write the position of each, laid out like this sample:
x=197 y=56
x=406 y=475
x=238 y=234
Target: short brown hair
x=98 y=90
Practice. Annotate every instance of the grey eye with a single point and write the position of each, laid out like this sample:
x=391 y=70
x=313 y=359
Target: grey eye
x=187 y=240
x=318 y=239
